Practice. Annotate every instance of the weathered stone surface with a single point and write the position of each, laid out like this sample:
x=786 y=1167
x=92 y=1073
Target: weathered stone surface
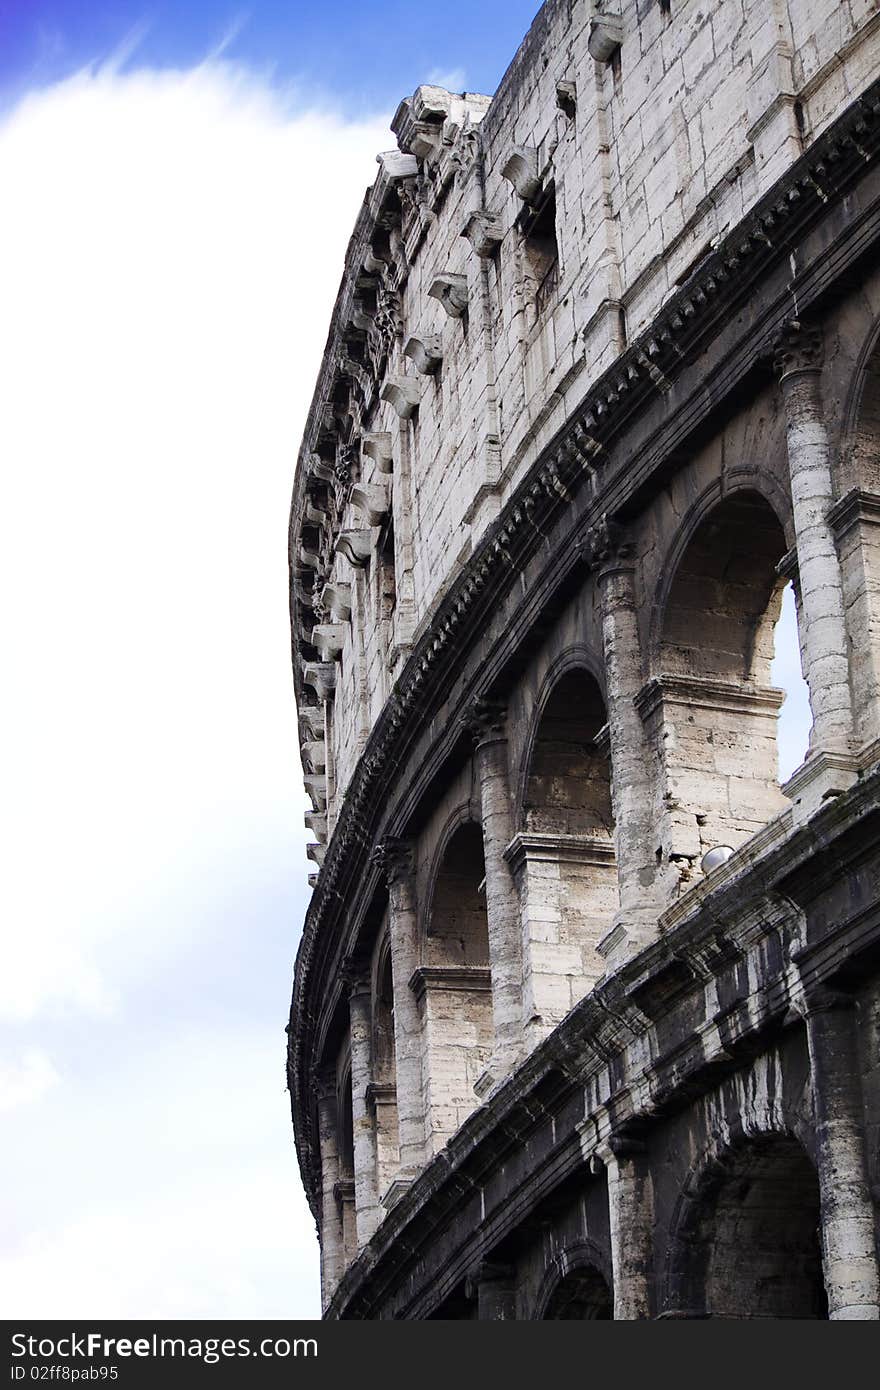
x=603 y=375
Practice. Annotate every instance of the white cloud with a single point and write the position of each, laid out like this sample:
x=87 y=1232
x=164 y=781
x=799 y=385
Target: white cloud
x=25 y=1078
x=453 y=79
x=170 y=249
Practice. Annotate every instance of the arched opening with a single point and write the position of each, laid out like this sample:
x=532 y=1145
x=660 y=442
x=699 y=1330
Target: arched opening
x=583 y=1293
x=795 y=717
x=712 y=712
x=345 y=1137
x=458 y=932
x=563 y=857
x=454 y=985
x=749 y=1247
x=382 y=1093
x=568 y=789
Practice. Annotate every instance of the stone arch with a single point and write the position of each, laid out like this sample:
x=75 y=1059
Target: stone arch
x=384 y=1057
x=570 y=711
x=861 y=419
x=456 y=926
x=576 y=1287
x=746 y=1237
x=709 y=709
x=563 y=854
x=453 y=986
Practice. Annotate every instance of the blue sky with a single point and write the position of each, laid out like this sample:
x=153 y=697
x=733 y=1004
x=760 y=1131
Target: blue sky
x=165 y=303
x=358 y=56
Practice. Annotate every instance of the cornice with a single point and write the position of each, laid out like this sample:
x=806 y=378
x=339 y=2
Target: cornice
x=680 y=330
x=705 y=940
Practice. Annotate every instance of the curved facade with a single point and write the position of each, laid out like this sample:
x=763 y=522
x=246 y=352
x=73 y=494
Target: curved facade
x=586 y=1014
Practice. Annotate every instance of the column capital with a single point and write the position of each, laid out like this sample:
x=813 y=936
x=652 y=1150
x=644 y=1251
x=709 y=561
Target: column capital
x=395 y=859
x=488 y=1272
x=820 y=998
x=486 y=721
x=324 y=1083
x=355 y=975
x=608 y=546
x=798 y=348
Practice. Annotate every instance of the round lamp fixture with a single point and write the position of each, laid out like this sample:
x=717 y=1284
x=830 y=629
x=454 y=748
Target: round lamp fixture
x=717 y=855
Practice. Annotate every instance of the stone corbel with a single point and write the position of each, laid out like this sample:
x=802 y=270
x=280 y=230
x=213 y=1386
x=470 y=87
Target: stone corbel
x=426 y=353
x=452 y=292
x=359 y=319
x=402 y=393
x=316 y=821
x=605 y=35
x=419 y=119
x=336 y=598
x=315 y=516
x=483 y=230
x=321 y=676
x=356 y=546
x=316 y=786
x=521 y=169
x=313 y=718
x=329 y=638
x=309 y=558
x=377 y=446
x=373 y=499
x=316 y=853
x=396 y=164
x=315 y=754
x=320 y=468
x=373 y=265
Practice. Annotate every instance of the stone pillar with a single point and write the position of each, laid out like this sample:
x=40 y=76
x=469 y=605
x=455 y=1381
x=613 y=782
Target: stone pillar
x=332 y=1252
x=357 y=977
x=487 y=722
x=849 y=1246
x=494 y=1288
x=830 y=766
x=398 y=863
x=631 y=1217
x=641 y=879
x=382 y=1102
x=856 y=522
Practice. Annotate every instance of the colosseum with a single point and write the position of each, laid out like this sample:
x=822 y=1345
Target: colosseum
x=586 y=1012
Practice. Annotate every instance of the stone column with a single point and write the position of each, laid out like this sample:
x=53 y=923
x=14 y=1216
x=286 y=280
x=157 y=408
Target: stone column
x=641 y=879
x=332 y=1253
x=830 y=766
x=398 y=863
x=493 y=1286
x=849 y=1247
x=856 y=522
x=631 y=1217
x=487 y=721
x=357 y=978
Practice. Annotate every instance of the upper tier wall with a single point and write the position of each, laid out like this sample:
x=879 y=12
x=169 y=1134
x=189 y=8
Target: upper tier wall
x=504 y=257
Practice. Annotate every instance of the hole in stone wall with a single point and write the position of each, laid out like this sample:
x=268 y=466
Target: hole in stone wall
x=795 y=719
x=458 y=933
x=583 y=1294
x=568 y=788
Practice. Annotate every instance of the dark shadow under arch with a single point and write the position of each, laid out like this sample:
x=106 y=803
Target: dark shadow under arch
x=746 y=1244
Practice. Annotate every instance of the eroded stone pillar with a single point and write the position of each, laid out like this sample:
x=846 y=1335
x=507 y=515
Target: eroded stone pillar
x=830 y=766
x=398 y=863
x=856 y=522
x=332 y=1251
x=640 y=876
x=631 y=1215
x=487 y=722
x=848 y=1238
x=357 y=977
